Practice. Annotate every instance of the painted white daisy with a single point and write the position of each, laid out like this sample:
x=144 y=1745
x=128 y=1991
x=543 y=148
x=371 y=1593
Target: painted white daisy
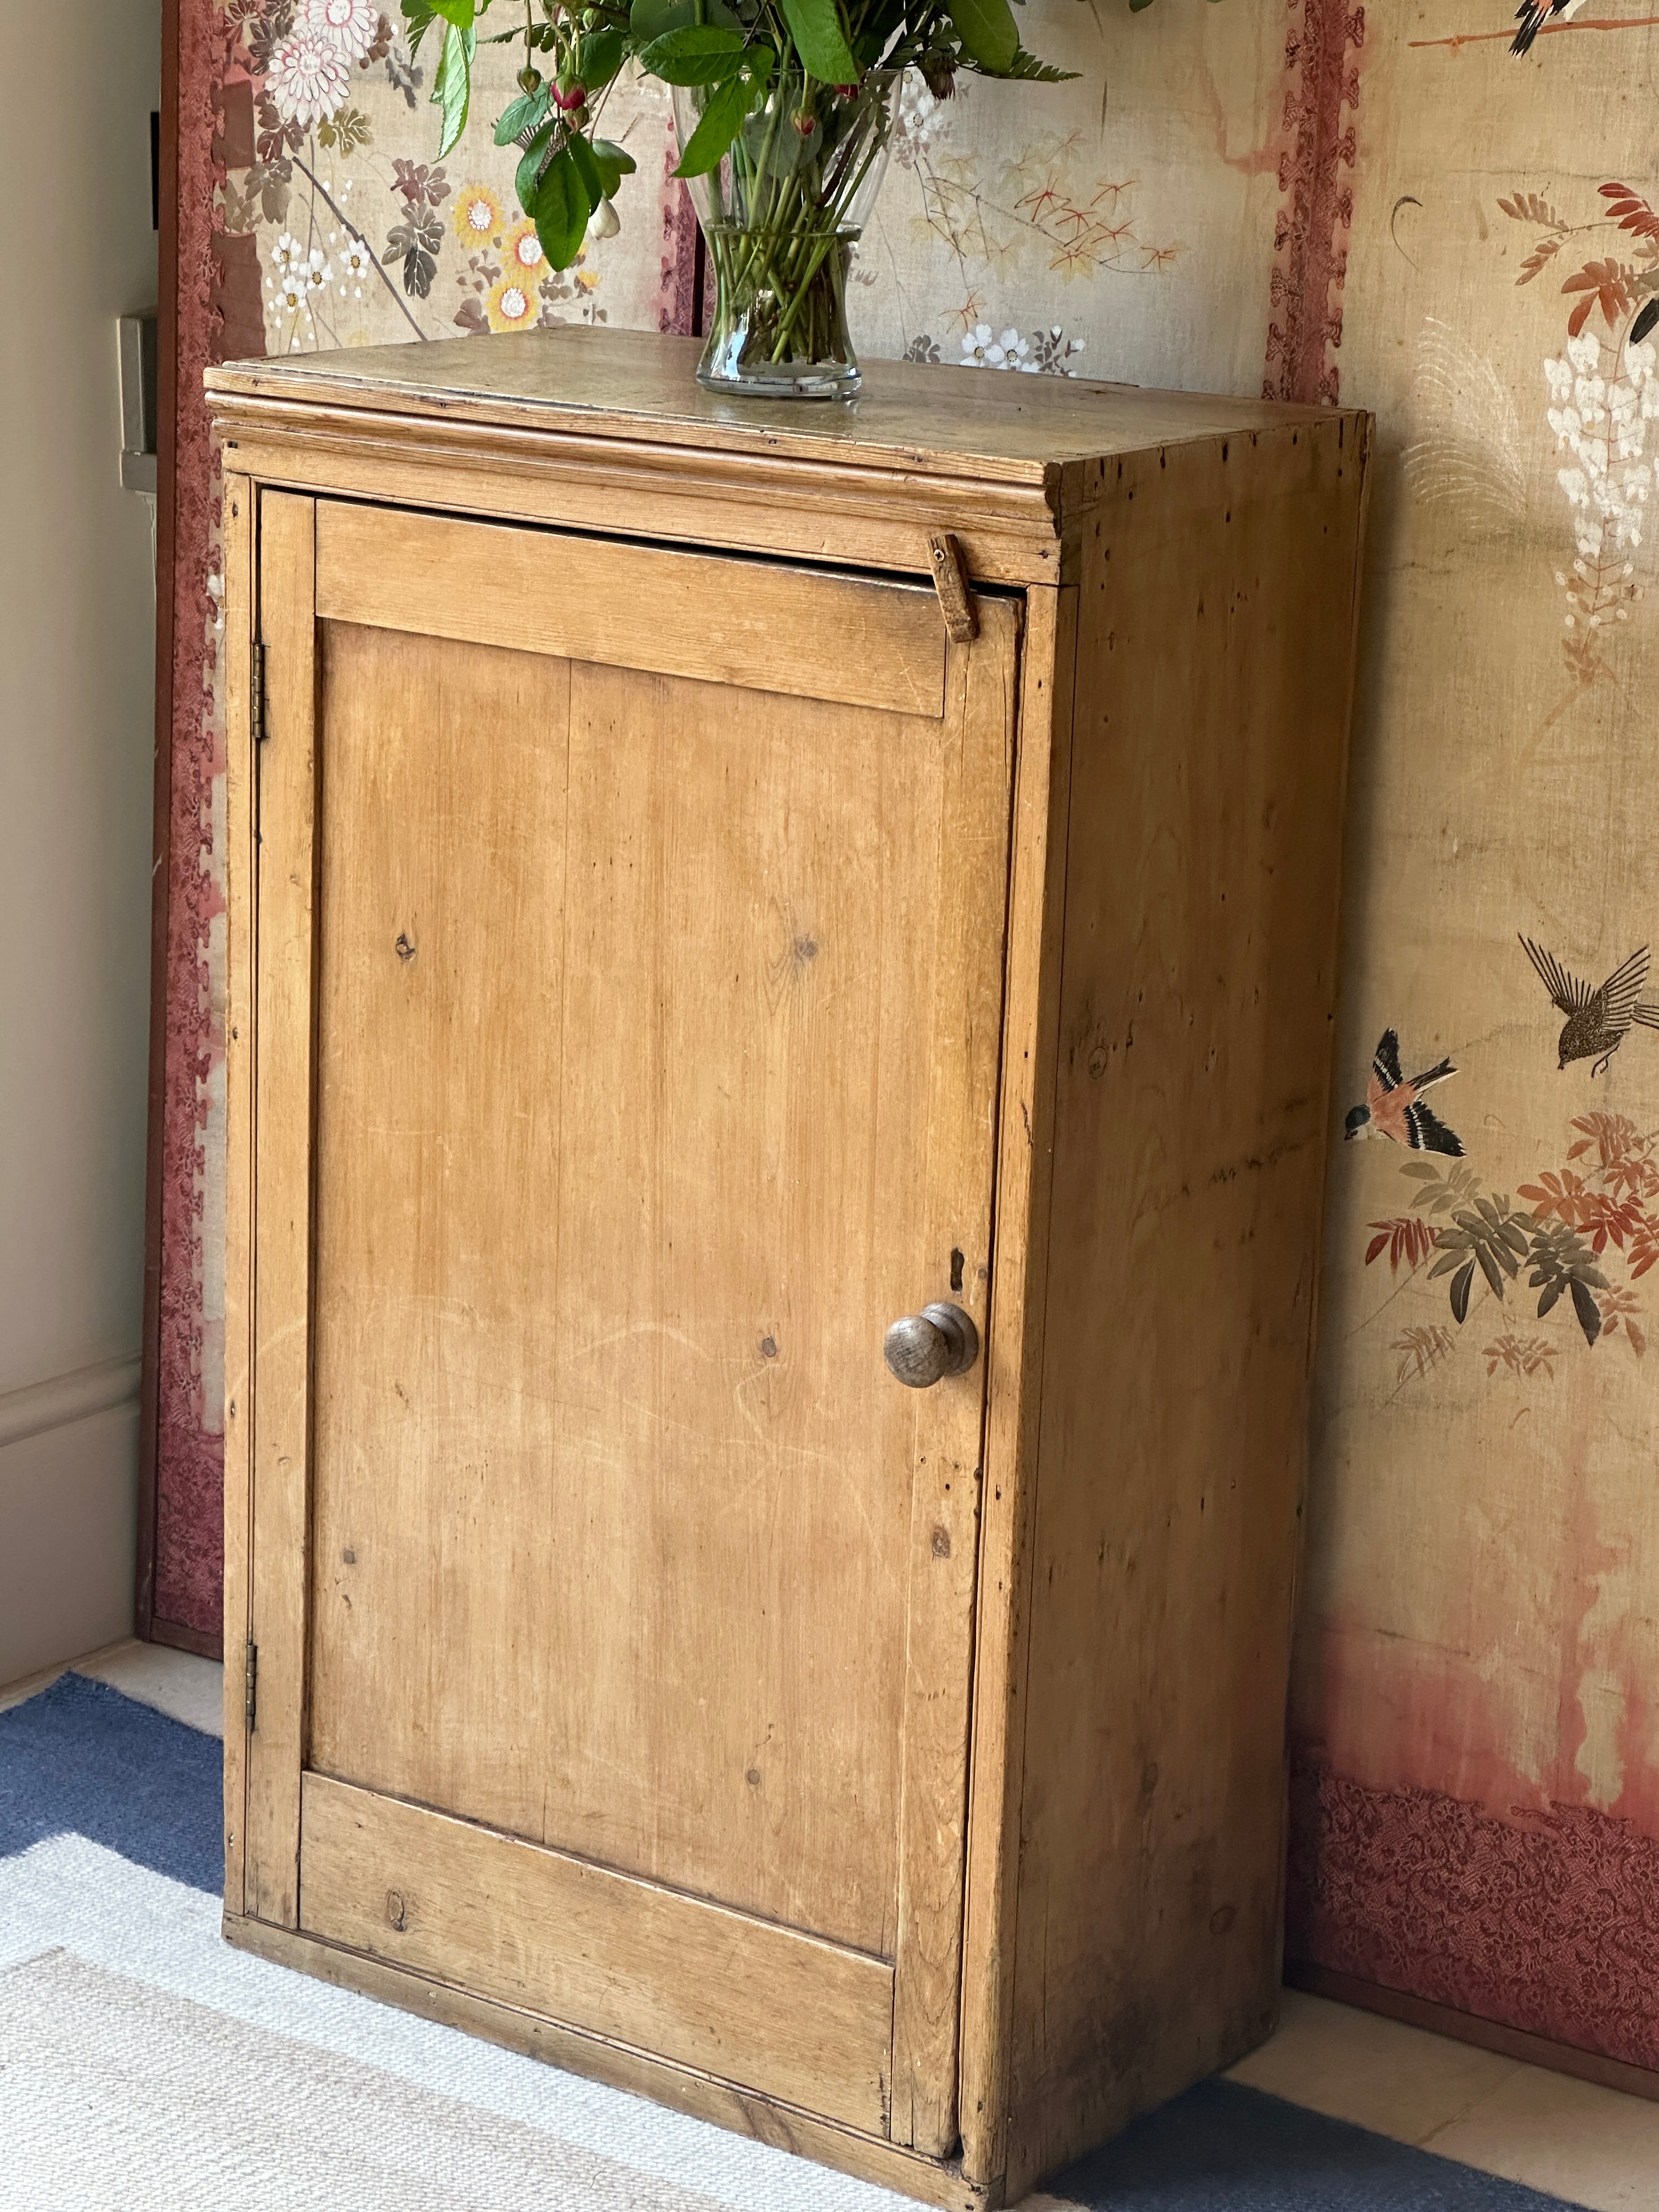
x=1009 y=351
x=350 y=25
x=977 y=346
x=356 y=267
x=308 y=79
x=319 y=275
x=288 y=254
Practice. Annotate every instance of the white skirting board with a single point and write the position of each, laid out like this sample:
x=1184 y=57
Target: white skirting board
x=69 y=1506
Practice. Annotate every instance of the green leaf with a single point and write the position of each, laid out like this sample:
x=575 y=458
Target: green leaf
x=717 y=126
x=599 y=57
x=463 y=13
x=700 y=53
x=1589 y=1313
x=615 y=163
x=563 y=208
x=1460 y=1292
x=526 y=113
x=588 y=168
x=452 y=87
x=816 y=28
x=986 y=28
x=524 y=184
x=1030 y=71
x=419 y=15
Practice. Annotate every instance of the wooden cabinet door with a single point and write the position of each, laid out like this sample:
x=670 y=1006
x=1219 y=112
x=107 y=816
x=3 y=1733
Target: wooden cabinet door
x=628 y=972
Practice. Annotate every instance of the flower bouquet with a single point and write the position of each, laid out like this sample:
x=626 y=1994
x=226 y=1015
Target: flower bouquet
x=785 y=111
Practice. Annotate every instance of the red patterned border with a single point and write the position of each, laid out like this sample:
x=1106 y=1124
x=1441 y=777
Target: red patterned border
x=189 y=1461
x=1549 y=1921
x=1310 y=242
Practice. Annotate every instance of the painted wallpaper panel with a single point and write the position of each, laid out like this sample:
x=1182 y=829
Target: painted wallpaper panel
x=1314 y=200
x=1479 y=1655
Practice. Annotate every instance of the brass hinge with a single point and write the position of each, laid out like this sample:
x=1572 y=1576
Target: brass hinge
x=250 y=1698
x=258 y=692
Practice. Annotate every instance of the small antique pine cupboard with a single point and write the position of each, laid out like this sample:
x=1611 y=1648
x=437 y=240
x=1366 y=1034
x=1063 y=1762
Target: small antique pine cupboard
x=710 y=883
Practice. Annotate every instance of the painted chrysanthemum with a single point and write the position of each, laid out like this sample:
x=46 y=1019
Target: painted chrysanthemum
x=511 y=304
x=350 y=25
x=308 y=78
x=478 y=216
x=521 y=251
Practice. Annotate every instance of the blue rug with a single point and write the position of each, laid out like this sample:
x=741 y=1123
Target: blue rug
x=81 y=1759
x=81 y=1765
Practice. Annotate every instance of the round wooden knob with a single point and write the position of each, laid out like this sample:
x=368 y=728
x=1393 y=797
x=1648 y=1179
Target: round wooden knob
x=921 y=1349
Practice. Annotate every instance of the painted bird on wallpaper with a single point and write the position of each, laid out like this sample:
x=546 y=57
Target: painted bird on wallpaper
x=1598 y=1022
x=1533 y=14
x=1393 y=1103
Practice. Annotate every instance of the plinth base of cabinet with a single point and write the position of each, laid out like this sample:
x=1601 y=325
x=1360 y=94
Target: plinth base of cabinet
x=785 y=2127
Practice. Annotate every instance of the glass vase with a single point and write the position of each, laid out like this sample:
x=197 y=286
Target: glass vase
x=781 y=217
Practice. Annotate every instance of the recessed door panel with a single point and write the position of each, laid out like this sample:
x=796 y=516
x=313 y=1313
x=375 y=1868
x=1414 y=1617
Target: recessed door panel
x=655 y=1024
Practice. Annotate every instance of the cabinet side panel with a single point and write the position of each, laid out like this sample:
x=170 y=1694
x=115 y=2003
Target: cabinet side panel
x=1197 y=981
x=1014 y=1366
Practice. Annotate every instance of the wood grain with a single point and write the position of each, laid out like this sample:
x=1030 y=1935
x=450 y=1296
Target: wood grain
x=621 y=1178
x=950 y=575
x=282 y=1103
x=800 y=510
x=944 y=1498
x=605 y=384
x=743 y=2112
x=773 y=629
x=1195 y=1022
x=744 y=1999
x=241 y=540
x=674 y=1031
x=1036 y=901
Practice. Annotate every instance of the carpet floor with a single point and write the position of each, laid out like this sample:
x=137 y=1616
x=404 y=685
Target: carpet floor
x=144 y=2064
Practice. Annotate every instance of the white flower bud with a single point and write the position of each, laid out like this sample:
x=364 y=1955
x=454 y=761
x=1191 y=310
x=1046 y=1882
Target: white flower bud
x=605 y=221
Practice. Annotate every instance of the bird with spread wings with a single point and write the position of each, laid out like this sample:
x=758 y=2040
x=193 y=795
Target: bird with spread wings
x=1393 y=1105
x=1599 y=1021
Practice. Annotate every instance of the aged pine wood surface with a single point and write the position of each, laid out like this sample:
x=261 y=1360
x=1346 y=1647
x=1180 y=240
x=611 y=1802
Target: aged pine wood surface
x=968 y=914
x=599 y=2059
x=861 y=518
x=240 y=771
x=627 y=384
x=621 y=1174
x=784 y=629
x=1014 y=1364
x=676 y=1031
x=1198 y=984
x=285 y=1008
x=747 y=2000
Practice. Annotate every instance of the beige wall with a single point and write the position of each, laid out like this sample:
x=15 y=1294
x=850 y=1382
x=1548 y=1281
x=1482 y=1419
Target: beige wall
x=76 y=614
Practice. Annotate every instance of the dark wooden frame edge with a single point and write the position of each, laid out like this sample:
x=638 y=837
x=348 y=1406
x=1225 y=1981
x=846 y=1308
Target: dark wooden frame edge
x=1469 y=2027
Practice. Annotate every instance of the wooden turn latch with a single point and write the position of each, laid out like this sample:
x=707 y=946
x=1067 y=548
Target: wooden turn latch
x=951 y=582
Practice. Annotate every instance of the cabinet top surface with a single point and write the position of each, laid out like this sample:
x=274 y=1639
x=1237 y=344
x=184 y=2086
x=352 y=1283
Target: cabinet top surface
x=634 y=384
